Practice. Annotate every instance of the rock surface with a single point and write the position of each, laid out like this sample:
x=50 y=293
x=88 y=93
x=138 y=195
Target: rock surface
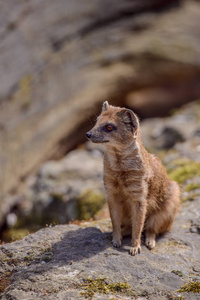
x=54 y=263
x=179 y=132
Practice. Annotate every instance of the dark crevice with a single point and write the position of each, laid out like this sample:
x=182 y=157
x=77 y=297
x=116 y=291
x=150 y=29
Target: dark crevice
x=105 y=19
x=157 y=6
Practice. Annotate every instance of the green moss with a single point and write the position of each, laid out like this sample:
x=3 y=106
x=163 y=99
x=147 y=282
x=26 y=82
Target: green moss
x=28 y=224
x=89 y=203
x=119 y=287
x=14 y=234
x=179 y=273
x=183 y=170
x=191 y=186
x=101 y=286
x=180 y=162
x=47 y=256
x=174 y=242
x=25 y=91
x=193 y=286
x=13 y=261
x=29 y=258
x=190 y=197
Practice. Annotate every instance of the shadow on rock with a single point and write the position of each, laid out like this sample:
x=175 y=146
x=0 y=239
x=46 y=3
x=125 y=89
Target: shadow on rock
x=80 y=244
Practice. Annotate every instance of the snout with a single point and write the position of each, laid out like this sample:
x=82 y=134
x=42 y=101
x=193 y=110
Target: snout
x=88 y=134
x=96 y=137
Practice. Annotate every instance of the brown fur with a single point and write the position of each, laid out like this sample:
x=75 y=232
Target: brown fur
x=140 y=194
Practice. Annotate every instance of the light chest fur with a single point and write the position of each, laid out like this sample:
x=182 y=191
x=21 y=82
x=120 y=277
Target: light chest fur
x=124 y=172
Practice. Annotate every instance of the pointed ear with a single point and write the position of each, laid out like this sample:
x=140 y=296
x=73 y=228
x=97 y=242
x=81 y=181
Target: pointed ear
x=128 y=117
x=105 y=106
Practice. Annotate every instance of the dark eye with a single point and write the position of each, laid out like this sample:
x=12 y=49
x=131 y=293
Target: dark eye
x=109 y=127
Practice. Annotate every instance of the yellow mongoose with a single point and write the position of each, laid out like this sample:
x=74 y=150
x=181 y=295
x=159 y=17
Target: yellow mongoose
x=140 y=194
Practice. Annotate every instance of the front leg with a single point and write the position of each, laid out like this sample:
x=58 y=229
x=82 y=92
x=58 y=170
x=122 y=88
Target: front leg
x=138 y=209
x=116 y=217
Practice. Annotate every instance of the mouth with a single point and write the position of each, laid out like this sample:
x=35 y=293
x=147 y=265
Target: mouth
x=99 y=142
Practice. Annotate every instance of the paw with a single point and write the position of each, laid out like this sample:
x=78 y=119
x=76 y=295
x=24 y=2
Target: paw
x=116 y=244
x=150 y=239
x=135 y=250
x=150 y=243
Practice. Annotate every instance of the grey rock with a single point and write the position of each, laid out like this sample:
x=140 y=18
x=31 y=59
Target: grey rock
x=55 y=194
x=195 y=226
x=166 y=137
x=176 y=131
x=54 y=262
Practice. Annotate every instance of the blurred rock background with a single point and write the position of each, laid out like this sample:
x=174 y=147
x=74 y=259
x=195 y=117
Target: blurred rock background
x=59 y=61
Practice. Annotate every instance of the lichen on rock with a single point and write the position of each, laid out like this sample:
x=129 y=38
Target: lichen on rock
x=89 y=204
x=101 y=286
x=184 y=170
x=192 y=286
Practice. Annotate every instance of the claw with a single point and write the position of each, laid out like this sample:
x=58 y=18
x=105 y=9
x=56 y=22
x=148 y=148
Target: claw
x=116 y=244
x=150 y=244
x=135 y=250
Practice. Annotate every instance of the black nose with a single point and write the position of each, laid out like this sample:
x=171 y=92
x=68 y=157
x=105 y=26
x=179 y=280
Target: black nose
x=88 y=134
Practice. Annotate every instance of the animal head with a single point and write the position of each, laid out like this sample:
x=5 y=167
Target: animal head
x=115 y=126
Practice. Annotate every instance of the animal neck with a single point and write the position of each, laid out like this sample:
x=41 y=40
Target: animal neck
x=124 y=157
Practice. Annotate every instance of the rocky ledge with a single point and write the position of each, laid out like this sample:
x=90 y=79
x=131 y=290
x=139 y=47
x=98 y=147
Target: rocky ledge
x=78 y=262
